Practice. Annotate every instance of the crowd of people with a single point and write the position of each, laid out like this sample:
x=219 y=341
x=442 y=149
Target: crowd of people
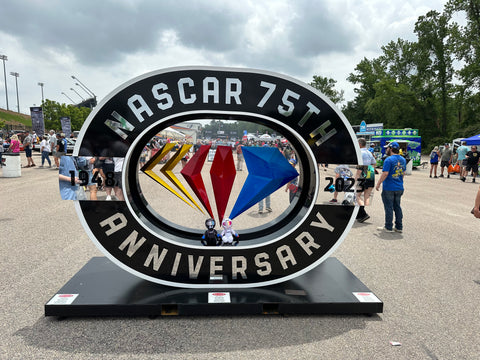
x=53 y=143
x=463 y=161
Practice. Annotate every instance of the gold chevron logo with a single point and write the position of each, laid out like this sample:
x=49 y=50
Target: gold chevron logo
x=167 y=170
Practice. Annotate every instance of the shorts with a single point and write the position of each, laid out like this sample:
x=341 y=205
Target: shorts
x=28 y=151
x=464 y=162
x=473 y=167
x=59 y=154
x=369 y=183
x=117 y=176
x=444 y=163
x=108 y=167
x=434 y=163
x=90 y=177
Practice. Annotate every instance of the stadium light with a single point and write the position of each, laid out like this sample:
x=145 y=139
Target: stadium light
x=5 y=58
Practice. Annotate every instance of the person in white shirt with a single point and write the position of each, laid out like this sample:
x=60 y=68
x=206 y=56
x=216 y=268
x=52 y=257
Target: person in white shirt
x=366 y=172
x=117 y=175
x=45 y=149
x=52 y=140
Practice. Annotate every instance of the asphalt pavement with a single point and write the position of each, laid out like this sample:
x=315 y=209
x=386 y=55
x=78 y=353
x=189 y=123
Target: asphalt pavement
x=428 y=278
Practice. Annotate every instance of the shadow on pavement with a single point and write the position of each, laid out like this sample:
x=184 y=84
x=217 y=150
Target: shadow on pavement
x=186 y=334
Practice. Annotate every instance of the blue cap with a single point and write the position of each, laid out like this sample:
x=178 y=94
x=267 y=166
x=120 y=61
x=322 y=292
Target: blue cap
x=393 y=145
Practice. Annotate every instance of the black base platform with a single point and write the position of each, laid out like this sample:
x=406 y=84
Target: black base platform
x=101 y=288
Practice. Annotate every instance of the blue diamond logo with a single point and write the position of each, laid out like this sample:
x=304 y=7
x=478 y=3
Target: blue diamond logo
x=268 y=170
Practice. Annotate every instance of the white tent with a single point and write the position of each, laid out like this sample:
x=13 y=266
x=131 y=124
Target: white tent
x=171 y=133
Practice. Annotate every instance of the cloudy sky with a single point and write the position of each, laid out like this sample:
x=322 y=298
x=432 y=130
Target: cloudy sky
x=105 y=43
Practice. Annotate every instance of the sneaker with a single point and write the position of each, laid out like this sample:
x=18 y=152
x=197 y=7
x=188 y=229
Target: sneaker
x=441 y=176
x=398 y=230
x=448 y=176
x=430 y=175
x=463 y=179
x=260 y=211
x=435 y=177
x=41 y=166
x=108 y=197
x=268 y=209
x=383 y=228
x=363 y=219
x=473 y=180
x=333 y=201
x=33 y=165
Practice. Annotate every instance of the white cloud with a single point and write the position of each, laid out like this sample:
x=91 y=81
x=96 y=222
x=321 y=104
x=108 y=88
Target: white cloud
x=106 y=43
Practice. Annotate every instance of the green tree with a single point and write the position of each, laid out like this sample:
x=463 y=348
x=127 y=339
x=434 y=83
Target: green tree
x=433 y=33
x=327 y=87
x=53 y=111
x=395 y=104
x=367 y=73
x=466 y=39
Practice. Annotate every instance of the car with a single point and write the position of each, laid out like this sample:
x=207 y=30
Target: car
x=36 y=147
x=70 y=146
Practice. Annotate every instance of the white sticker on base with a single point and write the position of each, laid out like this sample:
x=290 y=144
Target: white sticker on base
x=366 y=297
x=62 y=299
x=218 y=297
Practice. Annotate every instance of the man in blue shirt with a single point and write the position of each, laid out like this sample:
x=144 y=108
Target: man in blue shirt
x=394 y=168
x=67 y=174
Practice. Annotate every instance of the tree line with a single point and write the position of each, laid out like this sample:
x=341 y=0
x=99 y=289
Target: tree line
x=53 y=111
x=430 y=84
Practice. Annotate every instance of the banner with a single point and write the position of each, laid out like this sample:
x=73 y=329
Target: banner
x=66 y=126
x=38 y=124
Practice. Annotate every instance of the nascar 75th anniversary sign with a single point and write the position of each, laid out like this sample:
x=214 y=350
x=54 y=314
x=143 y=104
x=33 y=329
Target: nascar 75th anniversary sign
x=135 y=236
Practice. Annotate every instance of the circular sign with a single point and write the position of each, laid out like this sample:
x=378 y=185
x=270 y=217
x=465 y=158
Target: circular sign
x=136 y=237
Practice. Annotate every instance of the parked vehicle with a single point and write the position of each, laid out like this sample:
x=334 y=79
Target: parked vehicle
x=70 y=146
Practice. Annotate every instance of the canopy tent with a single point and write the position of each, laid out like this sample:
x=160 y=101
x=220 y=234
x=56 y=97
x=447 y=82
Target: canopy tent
x=473 y=140
x=171 y=133
x=265 y=137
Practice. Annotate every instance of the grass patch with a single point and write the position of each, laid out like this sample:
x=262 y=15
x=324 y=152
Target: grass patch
x=11 y=117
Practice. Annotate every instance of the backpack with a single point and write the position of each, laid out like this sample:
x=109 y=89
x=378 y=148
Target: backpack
x=370 y=173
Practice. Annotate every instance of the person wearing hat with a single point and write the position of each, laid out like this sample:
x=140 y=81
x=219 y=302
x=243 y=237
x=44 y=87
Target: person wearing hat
x=27 y=145
x=394 y=168
x=446 y=159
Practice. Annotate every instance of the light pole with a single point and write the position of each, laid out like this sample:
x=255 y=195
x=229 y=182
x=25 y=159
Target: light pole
x=80 y=86
x=77 y=94
x=41 y=85
x=90 y=91
x=16 y=74
x=69 y=98
x=4 y=58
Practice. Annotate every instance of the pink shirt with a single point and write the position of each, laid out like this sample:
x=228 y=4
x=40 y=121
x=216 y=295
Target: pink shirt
x=15 y=144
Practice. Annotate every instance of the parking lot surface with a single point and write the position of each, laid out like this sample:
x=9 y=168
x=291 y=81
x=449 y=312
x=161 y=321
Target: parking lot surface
x=428 y=278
